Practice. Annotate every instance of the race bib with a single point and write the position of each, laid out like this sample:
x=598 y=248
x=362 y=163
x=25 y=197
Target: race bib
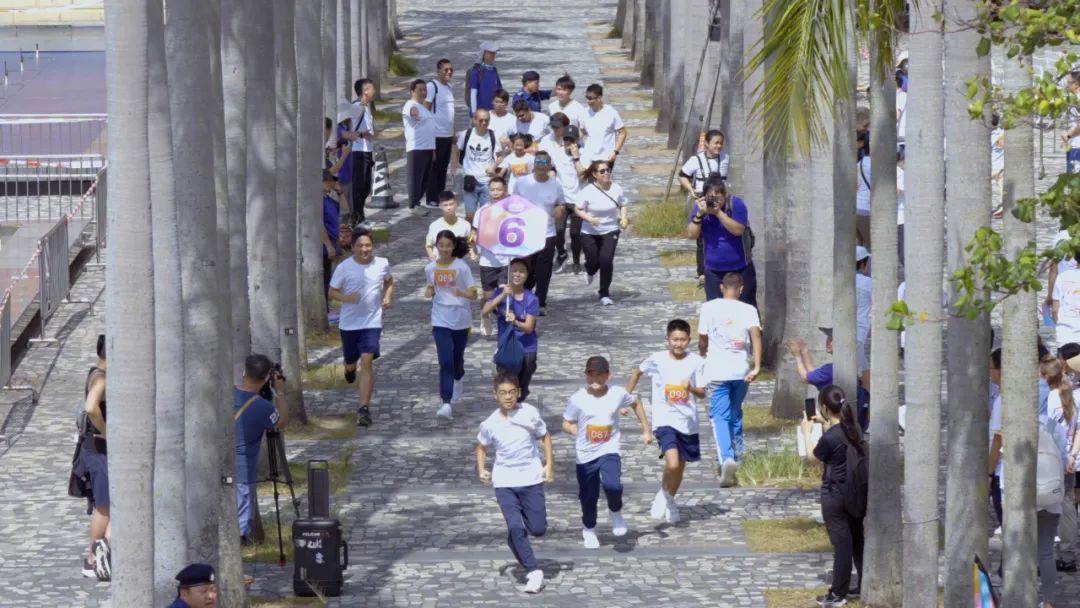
x=676 y=394
x=598 y=434
x=445 y=277
x=519 y=170
x=736 y=344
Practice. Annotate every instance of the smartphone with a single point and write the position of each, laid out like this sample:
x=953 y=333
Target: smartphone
x=811 y=408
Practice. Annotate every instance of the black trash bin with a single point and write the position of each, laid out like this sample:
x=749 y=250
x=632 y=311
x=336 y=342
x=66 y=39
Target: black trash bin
x=320 y=556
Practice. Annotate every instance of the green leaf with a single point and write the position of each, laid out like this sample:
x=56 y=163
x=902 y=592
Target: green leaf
x=983 y=48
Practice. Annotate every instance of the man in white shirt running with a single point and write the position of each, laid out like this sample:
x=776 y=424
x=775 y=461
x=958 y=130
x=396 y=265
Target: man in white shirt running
x=564 y=102
x=440 y=101
x=543 y=190
x=605 y=133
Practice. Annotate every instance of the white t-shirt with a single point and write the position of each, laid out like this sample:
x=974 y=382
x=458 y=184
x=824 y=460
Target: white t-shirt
x=598 y=421
x=447 y=309
x=727 y=323
x=536 y=127
x=488 y=259
x=602 y=204
x=601 y=128
x=503 y=126
x=1067 y=294
x=419 y=132
x=519 y=166
x=366 y=123
x=480 y=153
x=672 y=404
x=997 y=151
x=699 y=166
x=575 y=110
x=367 y=280
x=461 y=228
x=862 y=186
x=901 y=123
x=517 y=457
x=1074 y=119
x=995 y=427
x=565 y=171
x=442 y=106
x=863 y=291
x=544 y=194
x=900 y=196
x=1067 y=263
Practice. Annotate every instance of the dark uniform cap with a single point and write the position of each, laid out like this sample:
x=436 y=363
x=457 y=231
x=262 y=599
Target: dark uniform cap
x=195 y=575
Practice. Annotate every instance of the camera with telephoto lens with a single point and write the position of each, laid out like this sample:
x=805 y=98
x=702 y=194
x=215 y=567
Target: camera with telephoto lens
x=275 y=372
x=710 y=201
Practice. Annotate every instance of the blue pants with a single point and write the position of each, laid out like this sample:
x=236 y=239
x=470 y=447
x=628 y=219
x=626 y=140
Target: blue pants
x=245 y=497
x=475 y=199
x=450 y=346
x=604 y=471
x=525 y=514
x=726 y=415
x=1072 y=161
x=713 y=279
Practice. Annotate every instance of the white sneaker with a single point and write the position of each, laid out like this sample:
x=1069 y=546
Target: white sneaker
x=606 y=301
x=589 y=535
x=445 y=412
x=727 y=473
x=618 y=524
x=672 y=513
x=589 y=278
x=659 y=505
x=534 y=581
x=458 y=386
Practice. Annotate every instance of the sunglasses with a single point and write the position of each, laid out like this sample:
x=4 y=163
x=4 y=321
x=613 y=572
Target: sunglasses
x=541 y=163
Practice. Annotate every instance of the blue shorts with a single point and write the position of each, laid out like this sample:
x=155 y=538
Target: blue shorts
x=96 y=464
x=688 y=445
x=355 y=342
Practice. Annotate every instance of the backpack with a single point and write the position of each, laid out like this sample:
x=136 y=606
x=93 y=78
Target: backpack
x=857 y=479
x=465 y=144
x=1049 y=472
x=435 y=97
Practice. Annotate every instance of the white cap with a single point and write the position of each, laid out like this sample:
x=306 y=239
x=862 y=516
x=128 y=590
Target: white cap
x=901 y=57
x=489 y=47
x=346 y=111
x=861 y=253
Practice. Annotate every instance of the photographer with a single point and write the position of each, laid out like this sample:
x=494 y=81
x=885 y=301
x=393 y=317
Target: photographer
x=721 y=220
x=254 y=416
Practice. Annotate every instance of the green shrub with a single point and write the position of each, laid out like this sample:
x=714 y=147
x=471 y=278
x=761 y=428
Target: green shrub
x=661 y=218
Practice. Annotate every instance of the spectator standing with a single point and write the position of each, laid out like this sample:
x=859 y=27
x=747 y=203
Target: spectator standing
x=864 y=287
x=544 y=191
x=1066 y=305
x=419 y=142
x=93 y=459
x=602 y=207
x=994 y=460
x=341 y=150
x=331 y=233
x=721 y=220
x=254 y=416
x=862 y=190
x=478 y=150
x=820 y=377
x=530 y=91
x=997 y=163
x=605 y=133
x=1071 y=137
x=482 y=79
x=363 y=160
x=901 y=115
x=710 y=163
x=564 y=102
x=1061 y=408
x=440 y=101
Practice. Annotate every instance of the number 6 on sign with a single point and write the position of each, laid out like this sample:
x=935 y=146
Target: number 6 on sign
x=512 y=227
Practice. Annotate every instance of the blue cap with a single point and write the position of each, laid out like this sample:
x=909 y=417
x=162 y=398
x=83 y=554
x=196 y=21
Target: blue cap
x=195 y=575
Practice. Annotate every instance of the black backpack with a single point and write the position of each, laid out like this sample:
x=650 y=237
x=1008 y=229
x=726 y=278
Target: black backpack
x=857 y=479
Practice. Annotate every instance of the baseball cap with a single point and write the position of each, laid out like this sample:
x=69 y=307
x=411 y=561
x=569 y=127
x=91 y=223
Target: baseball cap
x=596 y=363
x=530 y=76
x=195 y=575
x=346 y=111
x=572 y=132
x=861 y=253
x=489 y=47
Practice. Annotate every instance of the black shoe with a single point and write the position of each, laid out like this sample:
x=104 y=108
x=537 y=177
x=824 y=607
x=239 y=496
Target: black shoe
x=350 y=376
x=577 y=268
x=543 y=311
x=1066 y=566
x=560 y=262
x=830 y=600
x=363 y=416
x=854 y=593
x=432 y=204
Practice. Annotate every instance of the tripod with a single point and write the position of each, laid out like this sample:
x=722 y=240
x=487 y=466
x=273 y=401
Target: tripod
x=279 y=474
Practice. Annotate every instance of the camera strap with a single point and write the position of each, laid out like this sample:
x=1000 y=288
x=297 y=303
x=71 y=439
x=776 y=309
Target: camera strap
x=240 y=412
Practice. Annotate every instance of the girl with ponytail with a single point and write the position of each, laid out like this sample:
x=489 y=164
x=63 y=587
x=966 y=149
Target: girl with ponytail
x=450 y=287
x=841 y=430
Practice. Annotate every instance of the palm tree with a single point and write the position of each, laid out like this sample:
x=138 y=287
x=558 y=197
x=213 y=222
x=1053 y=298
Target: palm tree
x=309 y=162
x=344 y=50
x=170 y=524
x=329 y=58
x=968 y=340
x=129 y=310
x=882 y=562
x=358 y=46
x=201 y=276
x=1019 y=372
x=285 y=168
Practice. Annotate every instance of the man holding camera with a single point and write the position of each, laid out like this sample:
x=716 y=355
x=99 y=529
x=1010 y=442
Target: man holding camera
x=721 y=220
x=255 y=416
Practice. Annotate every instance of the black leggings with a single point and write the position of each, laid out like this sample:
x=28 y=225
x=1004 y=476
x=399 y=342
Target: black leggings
x=418 y=166
x=575 y=237
x=362 y=163
x=541 y=265
x=846 y=536
x=600 y=255
x=436 y=182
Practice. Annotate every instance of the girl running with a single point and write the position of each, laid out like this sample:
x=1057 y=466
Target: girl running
x=450 y=287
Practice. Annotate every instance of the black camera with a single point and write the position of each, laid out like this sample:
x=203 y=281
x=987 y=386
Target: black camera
x=710 y=201
x=342 y=142
x=275 y=372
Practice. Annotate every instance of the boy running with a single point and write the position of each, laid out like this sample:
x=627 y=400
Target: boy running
x=675 y=374
x=518 y=475
x=592 y=415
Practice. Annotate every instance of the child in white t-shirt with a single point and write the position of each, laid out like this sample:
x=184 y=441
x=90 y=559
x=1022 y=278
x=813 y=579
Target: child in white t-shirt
x=516 y=164
x=592 y=416
x=676 y=379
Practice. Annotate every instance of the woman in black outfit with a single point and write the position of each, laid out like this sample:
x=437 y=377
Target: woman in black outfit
x=837 y=416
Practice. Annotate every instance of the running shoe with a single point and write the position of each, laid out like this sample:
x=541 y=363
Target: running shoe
x=831 y=601
x=606 y=301
x=432 y=204
x=102 y=560
x=445 y=412
x=350 y=376
x=727 y=473
x=659 y=505
x=589 y=278
x=560 y=263
x=458 y=389
x=363 y=416
x=618 y=524
x=534 y=581
x=88 y=568
x=577 y=268
x=672 y=513
x=543 y=311
x=589 y=536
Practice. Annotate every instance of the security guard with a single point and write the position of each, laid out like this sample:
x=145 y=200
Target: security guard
x=195 y=587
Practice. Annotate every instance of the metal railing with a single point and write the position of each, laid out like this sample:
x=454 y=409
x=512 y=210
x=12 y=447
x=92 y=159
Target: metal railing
x=55 y=280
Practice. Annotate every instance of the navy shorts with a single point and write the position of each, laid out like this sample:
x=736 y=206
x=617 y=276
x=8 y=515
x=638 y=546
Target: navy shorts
x=96 y=465
x=688 y=445
x=491 y=278
x=355 y=342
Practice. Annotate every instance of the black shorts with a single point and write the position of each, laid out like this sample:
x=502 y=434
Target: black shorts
x=490 y=277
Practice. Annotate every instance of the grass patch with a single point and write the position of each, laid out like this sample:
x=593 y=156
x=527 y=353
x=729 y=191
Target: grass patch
x=674 y=257
x=284 y=602
x=380 y=234
x=685 y=291
x=757 y=419
x=324 y=377
x=778 y=469
x=615 y=32
x=382 y=116
x=324 y=427
x=790 y=535
x=798 y=598
x=661 y=218
x=330 y=338
x=340 y=470
x=400 y=65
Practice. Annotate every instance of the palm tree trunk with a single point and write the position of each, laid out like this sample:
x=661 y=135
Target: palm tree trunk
x=822 y=238
x=285 y=164
x=201 y=275
x=329 y=58
x=924 y=183
x=1019 y=373
x=129 y=310
x=747 y=158
x=343 y=51
x=170 y=524
x=968 y=210
x=884 y=531
x=309 y=162
x=358 y=43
